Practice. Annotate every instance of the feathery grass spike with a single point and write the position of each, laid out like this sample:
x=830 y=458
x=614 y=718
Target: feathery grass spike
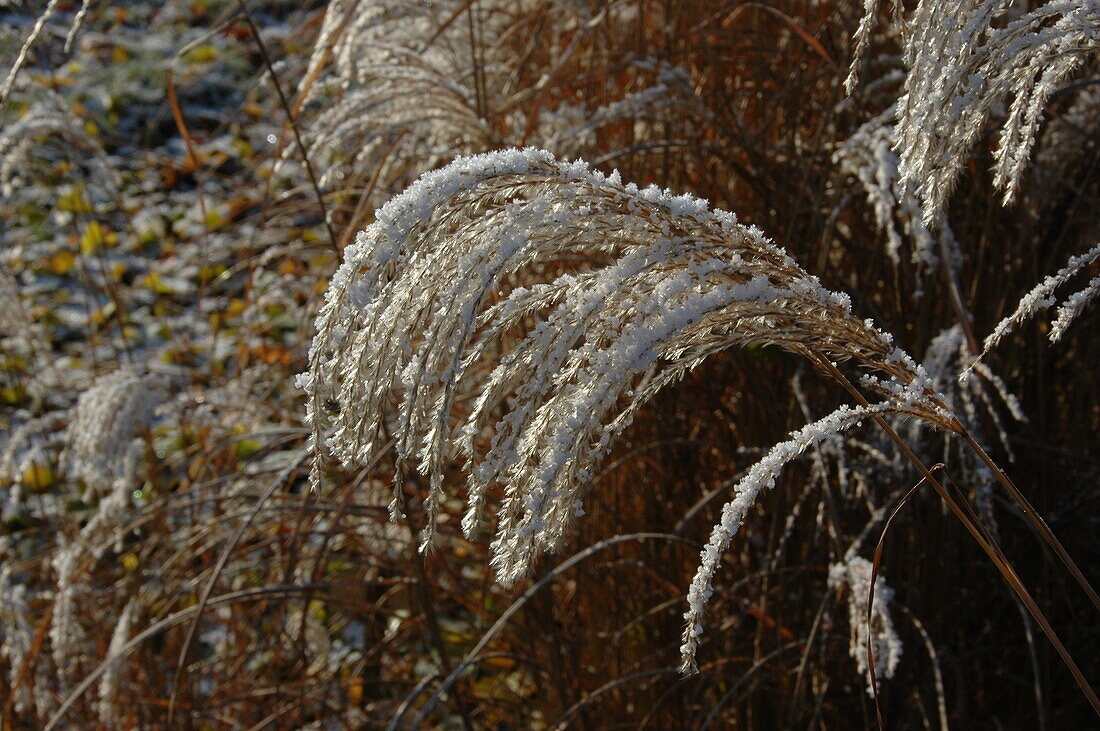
x=618 y=291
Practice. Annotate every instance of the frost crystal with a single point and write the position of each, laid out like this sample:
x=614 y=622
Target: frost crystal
x=854 y=578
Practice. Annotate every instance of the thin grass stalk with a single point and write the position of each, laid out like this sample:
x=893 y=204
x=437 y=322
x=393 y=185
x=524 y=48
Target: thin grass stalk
x=941 y=697
x=262 y=47
x=876 y=561
x=804 y=662
x=749 y=674
x=474 y=654
x=431 y=617
x=167 y=623
x=1033 y=517
x=563 y=722
x=181 y=663
x=990 y=548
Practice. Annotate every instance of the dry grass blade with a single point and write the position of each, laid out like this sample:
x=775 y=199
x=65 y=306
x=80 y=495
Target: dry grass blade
x=475 y=653
x=173 y=620
x=875 y=564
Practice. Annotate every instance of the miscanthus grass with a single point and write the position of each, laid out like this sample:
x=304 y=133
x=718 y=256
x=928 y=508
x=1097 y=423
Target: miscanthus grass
x=513 y=311
x=966 y=61
x=613 y=292
x=492 y=334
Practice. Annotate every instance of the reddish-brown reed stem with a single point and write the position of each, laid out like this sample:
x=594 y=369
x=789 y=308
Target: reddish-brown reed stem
x=989 y=546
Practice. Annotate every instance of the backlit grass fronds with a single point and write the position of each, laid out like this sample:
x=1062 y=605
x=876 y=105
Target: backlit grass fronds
x=967 y=61
x=32 y=37
x=869 y=156
x=1041 y=297
x=419 y=84
x=16 y=633
x=1072 y=307
x=964 y=60
x=664 y=112
x=108 y=418
x=25 y=145
x=409 y=85
x=761 y=475
x=552 y=301
x=947 y=356
x=11 y=305
x=111 y=681
x=1067 y=140
x=28 y=459
x=853 y=578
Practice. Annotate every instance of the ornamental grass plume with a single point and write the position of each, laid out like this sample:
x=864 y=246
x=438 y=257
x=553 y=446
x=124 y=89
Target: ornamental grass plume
x=963 y=61
x=108 y=418
x=869 y=156
x=1041 y=297
x=419 y=84
x=518 y=310
x=853 y=578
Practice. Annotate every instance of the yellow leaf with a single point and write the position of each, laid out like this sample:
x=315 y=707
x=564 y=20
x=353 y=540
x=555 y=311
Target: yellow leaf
x=75 y=201
x=37 y=477
x=104 y=313
x=62 y=262
x=93 y=239
x=202 y=54
x=156 y=284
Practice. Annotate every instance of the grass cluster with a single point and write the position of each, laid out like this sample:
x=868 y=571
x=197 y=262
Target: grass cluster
x=334 y=395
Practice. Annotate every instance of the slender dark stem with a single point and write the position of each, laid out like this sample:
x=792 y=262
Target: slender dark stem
x=431 y=619
x=987 y=545
x=1033 y=517
x=290 y=120
x=871 y=591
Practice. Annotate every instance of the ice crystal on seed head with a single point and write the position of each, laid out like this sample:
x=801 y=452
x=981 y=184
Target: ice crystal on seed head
x=853 y=578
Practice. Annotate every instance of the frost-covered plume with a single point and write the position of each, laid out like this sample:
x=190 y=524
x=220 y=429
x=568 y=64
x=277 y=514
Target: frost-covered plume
x=1072 y=307
x=111 y=680
x=761 y=475
x=612 y=291
x=108 y=418
x=28 y=457
x=947 y=356
x=25 y=143
x=869 y=156
x=421 y=83
x=13 y=317
x=104 y=452
x=67 y=637
x=1042 y=297
x=964 y=60
x=1067 y=140
x=669 y=104
x=16 y=633
x=403 y=75
x=853 y=577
